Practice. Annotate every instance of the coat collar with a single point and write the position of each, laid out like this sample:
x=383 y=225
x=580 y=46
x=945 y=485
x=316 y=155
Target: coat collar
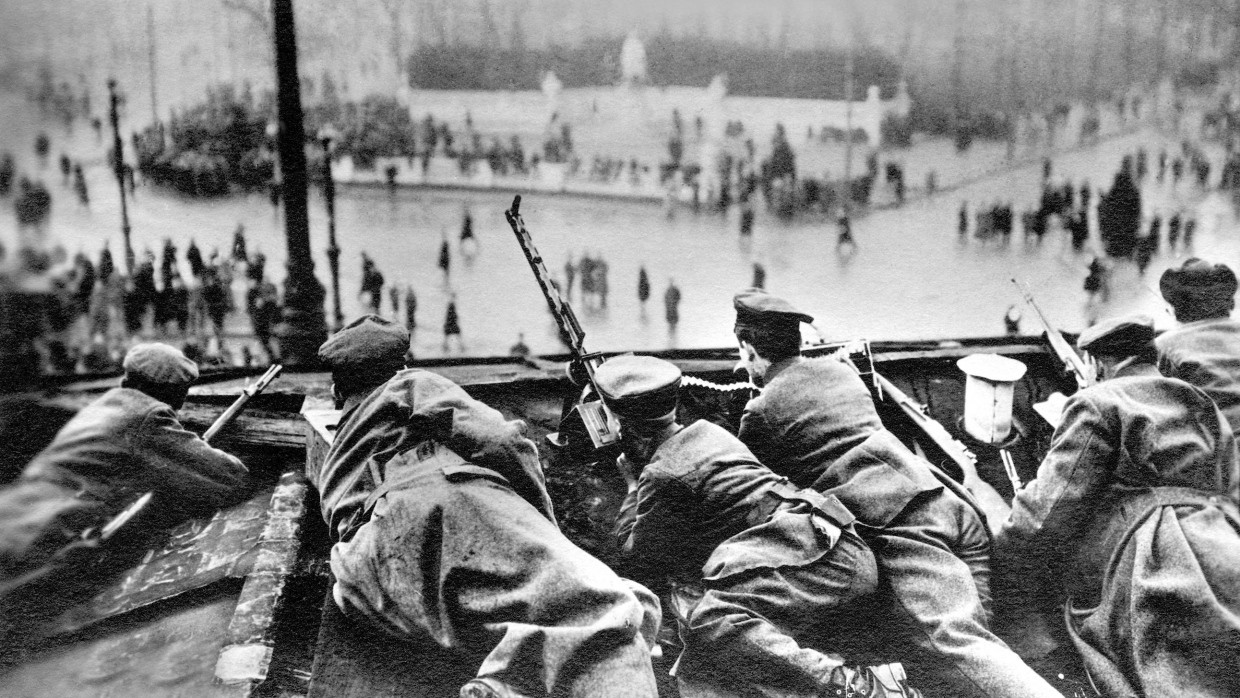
x=779 y=367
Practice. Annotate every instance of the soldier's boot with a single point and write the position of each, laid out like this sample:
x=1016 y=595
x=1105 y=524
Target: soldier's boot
x=880 y=681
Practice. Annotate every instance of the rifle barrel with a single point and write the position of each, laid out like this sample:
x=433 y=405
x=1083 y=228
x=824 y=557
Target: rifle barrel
x=239 y=404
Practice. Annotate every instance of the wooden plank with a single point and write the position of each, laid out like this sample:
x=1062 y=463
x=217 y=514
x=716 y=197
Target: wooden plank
x=253 y=427
x=246 y=655
x=355 y=660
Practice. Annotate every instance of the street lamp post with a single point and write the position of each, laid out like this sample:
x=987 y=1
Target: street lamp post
x=327 y=135
x=302 y=328
x=118 y=168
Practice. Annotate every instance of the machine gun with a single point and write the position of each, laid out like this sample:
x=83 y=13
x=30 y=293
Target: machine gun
x=1072 y=362
x=598 y=421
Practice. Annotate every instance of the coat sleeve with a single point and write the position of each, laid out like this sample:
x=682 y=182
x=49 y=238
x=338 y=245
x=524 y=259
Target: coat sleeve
x=1052 y=508
x=184 y=468
x=652 y=525
x=753 y=431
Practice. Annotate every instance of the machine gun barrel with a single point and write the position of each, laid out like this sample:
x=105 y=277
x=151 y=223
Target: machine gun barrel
x=600 y=423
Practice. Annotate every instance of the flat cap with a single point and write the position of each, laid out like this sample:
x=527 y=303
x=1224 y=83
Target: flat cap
x=370 y=345
x=758 y=309
x=159 y=363
x=639 y=387
x=1201 y=286
x=1121 y=336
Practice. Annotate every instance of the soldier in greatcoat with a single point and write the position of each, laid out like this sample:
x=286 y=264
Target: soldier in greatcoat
x=1133 y=520
x=444 y=535
x=1205 y=348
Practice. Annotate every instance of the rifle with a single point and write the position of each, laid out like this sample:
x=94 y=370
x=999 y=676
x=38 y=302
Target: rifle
x=599 y=422
x=83 y=549
x=989 y=502
x=1071 y=360
x=239 y=404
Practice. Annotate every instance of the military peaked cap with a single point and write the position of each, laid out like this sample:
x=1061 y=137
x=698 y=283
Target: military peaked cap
x=639 y=387
x=159 y=363
x=1121 y=336
x=1208 y=287
x=367 y=346
x=758 y=309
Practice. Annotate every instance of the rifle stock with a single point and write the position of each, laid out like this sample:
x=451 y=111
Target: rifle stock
x=599 y=422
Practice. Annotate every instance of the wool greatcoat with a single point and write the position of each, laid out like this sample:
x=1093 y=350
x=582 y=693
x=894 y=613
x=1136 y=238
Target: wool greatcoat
x=115 y=449
x=444 y=534
x=1133 y=517
x=1206 y=353
x=815 y=423
x=759 y=567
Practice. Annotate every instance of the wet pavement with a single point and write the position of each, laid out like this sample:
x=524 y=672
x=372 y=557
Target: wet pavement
x=910 y=276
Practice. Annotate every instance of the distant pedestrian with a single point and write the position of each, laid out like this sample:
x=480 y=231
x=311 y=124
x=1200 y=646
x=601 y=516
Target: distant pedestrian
x=42 y=145
x=372 y=284
x=394 y=297
x=445 y=257
x=1155 y=233
x=239 y=252
x=411 y=309
x=643 y=287
x=671 y=303
x=66 y=169
x=1190 y=229
x=79 y=185
x=570 y=273
x=1144 y=252
x=263 y=304
x=962 y=222
x=747 y=216
x=845 y=234
x=452 y=325
x=1011 y=320
x=600 y=281
x=469 y=244
x=759 y=276
x=1173 y=230
x=519 y=349
x=1097 y=283
x=7 y=171
x=194 y=256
